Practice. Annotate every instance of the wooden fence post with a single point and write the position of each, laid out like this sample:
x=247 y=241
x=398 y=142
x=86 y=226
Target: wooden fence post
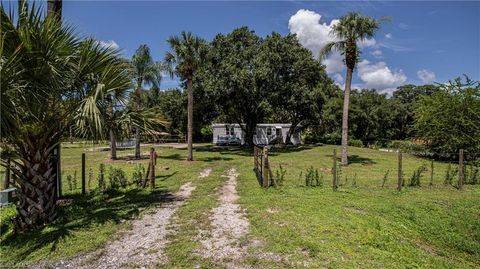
x=461 y=175
x=334 y=170
x=400 y=173
x=152 y=170
x=7 y=175
x=83 y=173
x=265 y=167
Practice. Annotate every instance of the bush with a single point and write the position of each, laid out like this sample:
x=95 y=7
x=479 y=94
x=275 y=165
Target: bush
x=312 y=177
x=117 y=178
x=449 y=175
x=385 y=178
x=280 y=175
x=101 y=177
x=417 y=176
x=355 y=143
x=138 y=174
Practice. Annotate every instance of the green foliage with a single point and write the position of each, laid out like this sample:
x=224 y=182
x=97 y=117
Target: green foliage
x=280 y=175
x=447 y=120
x=472 y=174
x=417 y=175
x=70 y=182
x=449 y=175
x=90 y=178
x=312 y=177
x=355 y=143
x=138 y=174
x=385 y=178
x=101 y=177
x=117 y=178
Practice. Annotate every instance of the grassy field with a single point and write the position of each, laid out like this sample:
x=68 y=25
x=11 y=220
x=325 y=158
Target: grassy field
x=361 y=225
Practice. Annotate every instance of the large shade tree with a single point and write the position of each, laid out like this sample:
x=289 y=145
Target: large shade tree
x=188 y=53
x=51 y=80
x=351 y=29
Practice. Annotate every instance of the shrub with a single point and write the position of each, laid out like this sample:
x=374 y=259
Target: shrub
x=417 y=176
x=385 y=178
x=101 y=177
x=74 y=180
x=450 y=175
x=355 y=143
x=280 y=175
x=117 y=178
x=138 y=174
x=70 y=182
x=312 y=177
x=90 y=178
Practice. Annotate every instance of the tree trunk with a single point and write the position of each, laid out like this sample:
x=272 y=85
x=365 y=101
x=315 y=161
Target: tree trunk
x=37 y=195
x=113 y=146
x=190 y=119
x=54 y=7
x=137 y=143
x=346 y=102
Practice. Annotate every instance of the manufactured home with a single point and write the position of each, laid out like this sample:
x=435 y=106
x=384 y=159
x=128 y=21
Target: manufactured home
x=264 y=133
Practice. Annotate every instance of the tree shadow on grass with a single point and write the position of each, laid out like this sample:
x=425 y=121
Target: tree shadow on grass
x=90 y=210
x=352 y=159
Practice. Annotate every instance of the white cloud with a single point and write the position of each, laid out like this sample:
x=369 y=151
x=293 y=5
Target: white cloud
x=314 y=35
x=379 y=76
x=426 y=76
x=367 y=43
x=338 y=78
x=389 y=36
x=109 y=44
x=377 y=53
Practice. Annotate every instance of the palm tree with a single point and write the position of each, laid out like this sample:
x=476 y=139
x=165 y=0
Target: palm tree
x=351 y=28
x=188 y=52
x=145 y=71
x=51 y=80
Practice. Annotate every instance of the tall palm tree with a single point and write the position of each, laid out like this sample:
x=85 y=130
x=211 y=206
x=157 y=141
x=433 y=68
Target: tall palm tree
x=144 y=71
x=54 y=7
x=351 y=28
x=188 y=52
x=51 y=80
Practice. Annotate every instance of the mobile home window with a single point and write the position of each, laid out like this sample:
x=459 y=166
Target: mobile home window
x=278 y=131
x=269 y=131
x=232 y=132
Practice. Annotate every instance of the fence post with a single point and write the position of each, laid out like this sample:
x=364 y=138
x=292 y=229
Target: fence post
x=83 y=173
x=265 y=167
x=7 y=175
x=152 y=170
x=461 y=175
x=334 y=170
x=400 y=173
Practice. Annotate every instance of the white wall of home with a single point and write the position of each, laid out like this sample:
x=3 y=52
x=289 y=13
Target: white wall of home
x=264 y=134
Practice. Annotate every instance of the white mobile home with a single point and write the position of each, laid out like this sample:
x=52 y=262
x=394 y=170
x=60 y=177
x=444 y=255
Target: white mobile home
x=264 y=133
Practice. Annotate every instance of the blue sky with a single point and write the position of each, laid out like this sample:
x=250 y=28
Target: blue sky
x=426 y=41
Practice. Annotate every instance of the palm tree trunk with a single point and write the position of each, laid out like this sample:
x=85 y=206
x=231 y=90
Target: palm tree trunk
x=113 y=146
x=190 y=119
x=346 y=102
x=37 y=195
x=54 y=7
x=137 y=143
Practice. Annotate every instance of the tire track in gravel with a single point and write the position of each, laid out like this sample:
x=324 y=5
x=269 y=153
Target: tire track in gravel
x=143 y=246
x=229 y=225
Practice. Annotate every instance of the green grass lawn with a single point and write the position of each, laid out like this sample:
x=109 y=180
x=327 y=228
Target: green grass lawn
x=361 y=225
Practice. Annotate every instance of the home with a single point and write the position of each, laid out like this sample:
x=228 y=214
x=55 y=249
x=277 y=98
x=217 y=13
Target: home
x=264 y=133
